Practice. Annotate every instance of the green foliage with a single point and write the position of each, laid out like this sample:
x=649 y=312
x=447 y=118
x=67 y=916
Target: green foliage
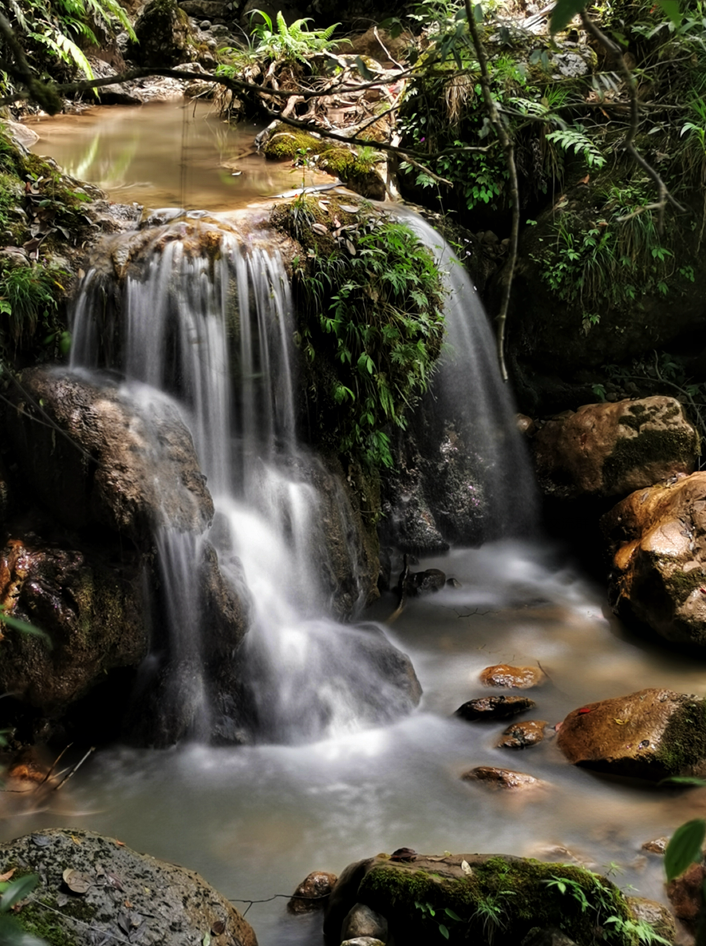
x=62 y=27
x=29 y=297
x=371 y=325
x=294 y=42
x=684 y=847
x=12 y=892
x=574 y=138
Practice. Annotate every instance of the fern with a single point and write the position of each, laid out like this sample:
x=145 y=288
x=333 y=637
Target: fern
x=571 y=138
x=65 y=49
x=296 y=42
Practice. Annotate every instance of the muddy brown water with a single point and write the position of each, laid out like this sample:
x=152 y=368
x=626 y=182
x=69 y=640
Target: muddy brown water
x=255 y=820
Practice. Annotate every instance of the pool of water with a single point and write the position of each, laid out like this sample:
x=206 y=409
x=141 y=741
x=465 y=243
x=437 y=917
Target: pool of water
x=167 y=154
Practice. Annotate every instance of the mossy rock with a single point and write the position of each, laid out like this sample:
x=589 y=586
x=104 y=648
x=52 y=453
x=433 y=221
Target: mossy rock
x=126 y=892
x=480 y=899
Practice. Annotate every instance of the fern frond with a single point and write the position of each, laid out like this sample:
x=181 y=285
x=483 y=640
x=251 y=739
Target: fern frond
x=571 y=138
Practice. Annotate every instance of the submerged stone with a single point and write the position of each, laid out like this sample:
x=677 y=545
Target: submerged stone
x=521 y=678
x=651 y=734
x=524 y=734
x=502 y=778
x=494 y=707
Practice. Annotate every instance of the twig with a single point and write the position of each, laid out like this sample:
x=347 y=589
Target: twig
x=385 y=49
x=75 y=769
x=54 y=765
x=616 y=55
x=508 y=147
x=276 y=896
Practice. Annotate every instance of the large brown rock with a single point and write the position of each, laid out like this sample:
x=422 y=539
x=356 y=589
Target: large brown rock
x=113 y=894
x=103 y=456
x=651 y=734
x=90 y=606
x=657 y=540
x=612 y=449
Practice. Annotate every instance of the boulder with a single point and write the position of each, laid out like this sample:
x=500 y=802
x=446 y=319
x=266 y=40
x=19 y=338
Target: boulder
x=651 y=734
x=361 y=921
x=521 y=678
x=494 y=707
x=656 y=915
x=657 y=540
x=105 y=455
x=94 y=889
x=414 y=897
x=612 y=449
x=524 y=734
x=312 y=893
x=685 y=895
x=164 y=35
x=88 y=602
x=502 y=778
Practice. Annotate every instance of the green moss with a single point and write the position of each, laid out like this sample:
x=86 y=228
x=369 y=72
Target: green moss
x=501 y=899
x=683 y=744
x=651 y=446
x=680 y=584
x=57 y=925
x=289 y=143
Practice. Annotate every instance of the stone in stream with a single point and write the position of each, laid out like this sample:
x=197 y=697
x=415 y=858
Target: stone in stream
x=503 y=778
x=656 y=538
x=520 y=678
x=612 y=449
x=494 y=707
x=361 y=922
x=685 y=895
x=656 y=915
x=651 y=734
x=656 y=846
x=312 y=892
x=531 y=901
x=521 y=735
x=128 y=896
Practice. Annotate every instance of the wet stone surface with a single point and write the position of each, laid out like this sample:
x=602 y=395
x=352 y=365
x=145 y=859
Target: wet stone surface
x=494 y=707
x=524 y=734
x=521 y=678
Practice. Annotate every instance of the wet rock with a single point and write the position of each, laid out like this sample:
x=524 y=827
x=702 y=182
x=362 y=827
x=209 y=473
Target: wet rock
x=613 y=449
x=426 y=582
x=88 y=603
x=312 y=893
x=657 y=540
x=363 y=941
x=655 y=915
x=656 y=846
x=362 y=922
x=461 y=882
x=651 y=734
x=524 y=734
x=521 y=678
x=494 y=707
x=525 y=425
x=103 y=456
x=128 y=894
x=551 y=937
x=685 y=895
x=502 y=778
x=164 y=35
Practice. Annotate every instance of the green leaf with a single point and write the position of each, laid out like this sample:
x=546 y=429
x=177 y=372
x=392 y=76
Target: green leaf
x=671 y=9
x=363 y=70
x=563 y=13
x=684 y=847
x=24 y=626
x=18 y=890
x=454 y=916
x=683 y=779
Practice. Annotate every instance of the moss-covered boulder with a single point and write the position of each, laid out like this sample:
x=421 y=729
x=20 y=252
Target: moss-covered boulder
x=656 y=538
x=612 y=449
x=479 y=898
x=358 y=168
x=651 y=734
x=94 y=889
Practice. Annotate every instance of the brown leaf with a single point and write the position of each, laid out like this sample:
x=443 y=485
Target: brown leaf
x=7 y=876
x=218 y=928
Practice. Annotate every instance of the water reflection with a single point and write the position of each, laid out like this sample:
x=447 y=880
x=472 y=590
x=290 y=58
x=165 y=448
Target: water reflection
x=166 y=154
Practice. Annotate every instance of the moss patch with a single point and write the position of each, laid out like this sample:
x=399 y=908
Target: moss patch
x=677 y=446
x=683 y=745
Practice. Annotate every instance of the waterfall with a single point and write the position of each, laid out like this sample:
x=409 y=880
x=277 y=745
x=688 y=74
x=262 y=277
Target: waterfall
x=203 y=315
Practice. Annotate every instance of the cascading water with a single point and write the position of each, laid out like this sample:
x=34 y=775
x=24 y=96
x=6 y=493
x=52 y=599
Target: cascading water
x=470 y=392
x=200 y=295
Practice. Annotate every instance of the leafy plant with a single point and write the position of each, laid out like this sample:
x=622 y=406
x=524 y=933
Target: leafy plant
x=295 y=41
x=447 y=914
x=11 y=892
x=575 y=139
x=28 y=299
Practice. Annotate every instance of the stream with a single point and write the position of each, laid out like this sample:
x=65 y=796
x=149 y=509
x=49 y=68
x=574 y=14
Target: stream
x=255 y=820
